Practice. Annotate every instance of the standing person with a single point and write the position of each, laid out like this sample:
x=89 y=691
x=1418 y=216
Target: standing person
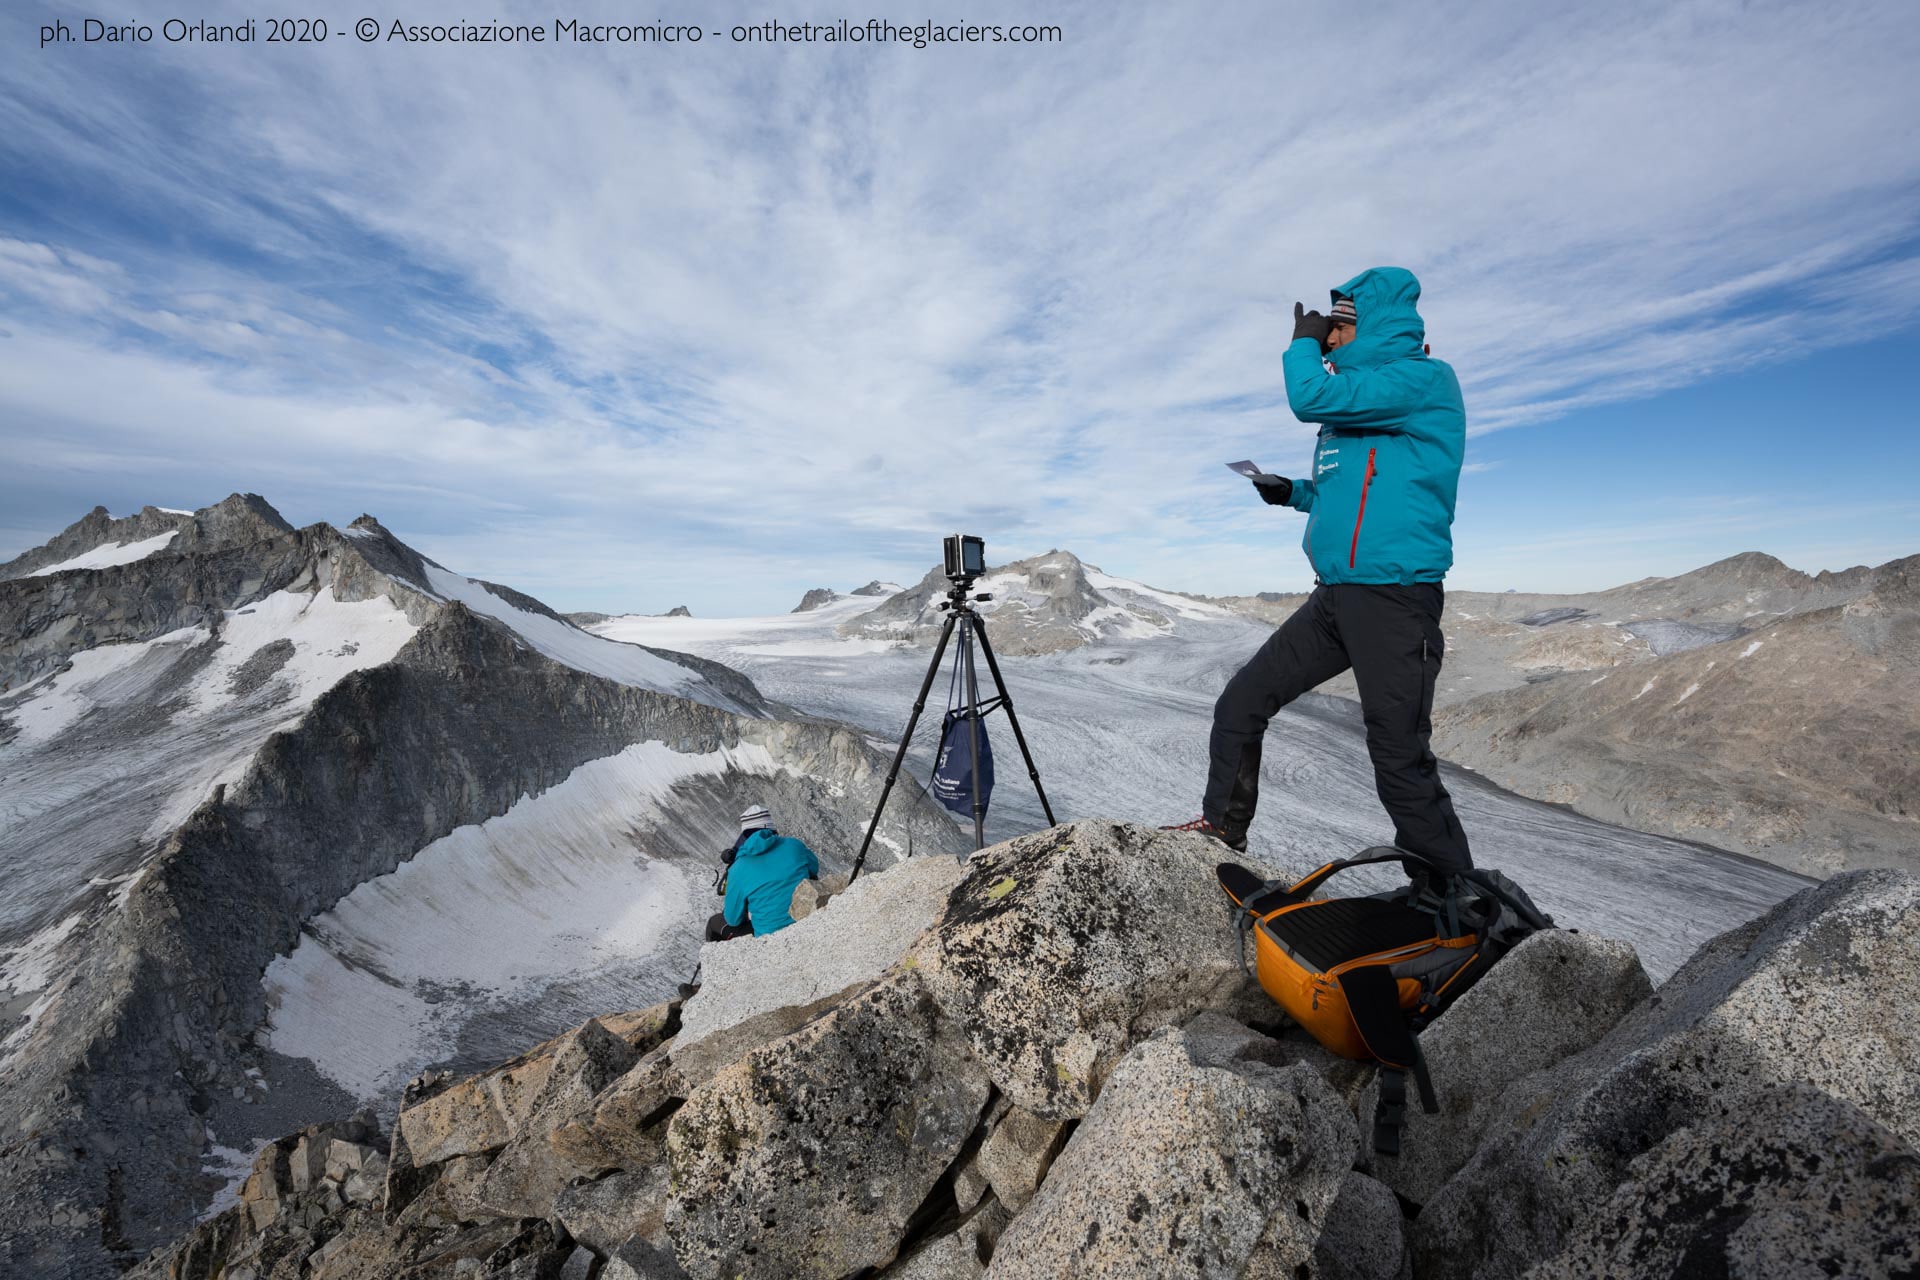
x=1379 y=535
x=765 y=870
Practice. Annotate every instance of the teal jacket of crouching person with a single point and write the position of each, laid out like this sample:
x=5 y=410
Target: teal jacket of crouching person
x=767 y=868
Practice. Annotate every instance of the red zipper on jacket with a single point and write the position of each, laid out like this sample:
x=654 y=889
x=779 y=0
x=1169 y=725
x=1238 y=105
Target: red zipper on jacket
x=1353 y=552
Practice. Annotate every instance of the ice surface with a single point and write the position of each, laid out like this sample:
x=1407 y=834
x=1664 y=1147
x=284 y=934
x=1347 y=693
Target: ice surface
x=784 y=635
x=102 y=676
x=563 y=642
x=109 y=554
x=557 y=887
x=1752 y=649
x=1664 y=636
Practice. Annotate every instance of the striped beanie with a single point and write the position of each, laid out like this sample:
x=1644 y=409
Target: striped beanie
x=757 y=816
x=1342 y=312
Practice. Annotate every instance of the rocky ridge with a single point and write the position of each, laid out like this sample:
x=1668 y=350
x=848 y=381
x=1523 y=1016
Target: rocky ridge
x=1069 y=1073
x=133 y=998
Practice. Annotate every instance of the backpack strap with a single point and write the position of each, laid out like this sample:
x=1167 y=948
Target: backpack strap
x=1302 y=889
x=1373 y=997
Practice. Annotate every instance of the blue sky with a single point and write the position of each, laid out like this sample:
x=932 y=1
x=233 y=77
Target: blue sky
x=633 y=327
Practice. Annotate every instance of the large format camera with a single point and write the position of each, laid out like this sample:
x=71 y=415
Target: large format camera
x=966 y=557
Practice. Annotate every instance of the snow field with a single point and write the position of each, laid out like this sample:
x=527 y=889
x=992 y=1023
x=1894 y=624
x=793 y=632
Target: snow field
x=554 y=887
x=110 y=554
x=331 y=640
x=565 y=643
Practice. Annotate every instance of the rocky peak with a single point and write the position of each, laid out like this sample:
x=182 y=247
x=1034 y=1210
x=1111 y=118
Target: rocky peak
x=877 y=588
x=1041 y=604
x=678 y=611
x=815 y=599
x=1749 y=568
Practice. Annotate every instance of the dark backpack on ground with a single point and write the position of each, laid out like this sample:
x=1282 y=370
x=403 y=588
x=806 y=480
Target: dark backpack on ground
x=1365 y=975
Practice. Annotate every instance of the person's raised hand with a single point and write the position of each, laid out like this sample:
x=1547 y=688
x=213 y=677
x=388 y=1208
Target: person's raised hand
x=1310 y=324
x=1273 y=490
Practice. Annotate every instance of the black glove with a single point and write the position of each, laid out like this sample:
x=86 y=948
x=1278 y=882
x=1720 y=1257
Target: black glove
x=1310 y=324
x=1274 y=490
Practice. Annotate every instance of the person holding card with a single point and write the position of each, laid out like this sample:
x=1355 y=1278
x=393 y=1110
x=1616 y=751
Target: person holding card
x=1379 y=507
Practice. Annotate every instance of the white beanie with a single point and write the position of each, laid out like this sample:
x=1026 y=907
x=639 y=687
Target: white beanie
x=757 y=816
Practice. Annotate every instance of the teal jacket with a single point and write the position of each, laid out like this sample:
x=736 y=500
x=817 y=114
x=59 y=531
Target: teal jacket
x=767 y=868
x=1393 y=430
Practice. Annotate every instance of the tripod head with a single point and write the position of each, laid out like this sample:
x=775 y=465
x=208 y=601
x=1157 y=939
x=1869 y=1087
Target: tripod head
x=957 y=598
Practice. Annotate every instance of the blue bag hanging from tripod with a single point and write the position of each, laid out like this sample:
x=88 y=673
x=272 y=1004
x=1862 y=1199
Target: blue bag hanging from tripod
x=953 y=780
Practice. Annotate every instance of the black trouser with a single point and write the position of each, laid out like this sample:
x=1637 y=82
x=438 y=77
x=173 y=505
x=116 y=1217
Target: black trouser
x=718 y=930
x=1390 y=636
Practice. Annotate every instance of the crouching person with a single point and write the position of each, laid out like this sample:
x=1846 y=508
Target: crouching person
x=765 y=869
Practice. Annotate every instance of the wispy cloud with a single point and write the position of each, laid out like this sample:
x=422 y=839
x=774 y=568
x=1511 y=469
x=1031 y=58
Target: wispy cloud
x=795 y=311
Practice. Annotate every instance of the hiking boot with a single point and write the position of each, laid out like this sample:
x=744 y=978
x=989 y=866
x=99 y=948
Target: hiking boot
x=1236 y=843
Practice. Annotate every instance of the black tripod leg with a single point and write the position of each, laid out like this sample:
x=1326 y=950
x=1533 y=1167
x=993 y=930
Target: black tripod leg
x=968 y=630
x=899 y=757
x=1006 y=701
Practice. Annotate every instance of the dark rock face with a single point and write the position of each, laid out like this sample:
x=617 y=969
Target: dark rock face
x=814 y=599
x=874 y=588
x=1755 y=1193
x=1547 y=617
x=679 y=611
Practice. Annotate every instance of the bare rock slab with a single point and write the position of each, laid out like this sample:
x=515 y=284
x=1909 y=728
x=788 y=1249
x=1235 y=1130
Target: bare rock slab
x=810 y=1156
x=754 y=990
x=1817 y=991
x=1062 y=949
x=1185 y=1169
x=538 y=1089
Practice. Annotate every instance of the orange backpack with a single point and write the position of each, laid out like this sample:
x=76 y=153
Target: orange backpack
x=1364 y=975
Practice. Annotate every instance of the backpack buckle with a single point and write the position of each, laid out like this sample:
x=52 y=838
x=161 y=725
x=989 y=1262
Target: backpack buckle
x=1390 y=1111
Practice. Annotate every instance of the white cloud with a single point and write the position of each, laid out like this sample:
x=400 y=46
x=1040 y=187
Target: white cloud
x=830 y=301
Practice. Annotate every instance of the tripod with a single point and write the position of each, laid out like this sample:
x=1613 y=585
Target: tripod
x=961 y=617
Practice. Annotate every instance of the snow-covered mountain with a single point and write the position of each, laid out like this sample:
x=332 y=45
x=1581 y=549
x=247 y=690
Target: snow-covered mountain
x=1044 y=604
x=287 y=814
